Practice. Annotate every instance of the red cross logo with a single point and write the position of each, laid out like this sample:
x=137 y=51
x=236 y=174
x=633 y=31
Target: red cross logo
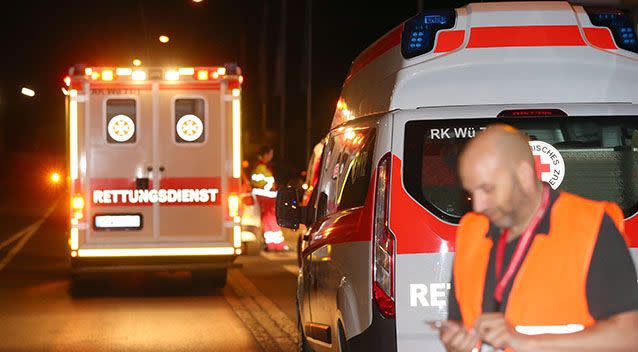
x=540 y=167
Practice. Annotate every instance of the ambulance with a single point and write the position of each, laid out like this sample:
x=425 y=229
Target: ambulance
x=377 y=256
x=154 y=157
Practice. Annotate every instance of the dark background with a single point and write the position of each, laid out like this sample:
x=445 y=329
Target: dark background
x=42 y=39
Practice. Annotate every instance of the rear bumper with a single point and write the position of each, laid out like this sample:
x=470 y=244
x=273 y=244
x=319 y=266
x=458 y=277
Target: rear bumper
x=141 y=264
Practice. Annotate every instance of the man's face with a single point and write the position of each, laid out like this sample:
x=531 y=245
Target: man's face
x=492 y=186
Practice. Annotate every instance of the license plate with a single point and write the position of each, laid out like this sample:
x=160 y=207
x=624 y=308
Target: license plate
x=118 y=222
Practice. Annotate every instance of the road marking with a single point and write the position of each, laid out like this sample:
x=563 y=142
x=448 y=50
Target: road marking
x=24 y=236
x=277 y=332
x=294 y=269
x=14 y=237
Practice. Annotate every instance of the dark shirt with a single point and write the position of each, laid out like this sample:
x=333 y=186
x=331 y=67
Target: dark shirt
x=611 y=282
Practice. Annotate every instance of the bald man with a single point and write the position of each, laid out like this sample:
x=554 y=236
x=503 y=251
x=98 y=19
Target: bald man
x=535 y=269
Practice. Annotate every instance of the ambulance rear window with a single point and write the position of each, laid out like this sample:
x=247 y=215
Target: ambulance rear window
x=190 y=121
x=121 y=121
x=596 y=157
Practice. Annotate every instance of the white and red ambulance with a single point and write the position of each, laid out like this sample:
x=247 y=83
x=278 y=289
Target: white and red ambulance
x=376 y=260
x=155 y=168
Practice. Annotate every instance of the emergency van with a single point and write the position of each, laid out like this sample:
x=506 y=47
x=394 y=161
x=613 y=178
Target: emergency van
x=154 y=157
x=382 y=217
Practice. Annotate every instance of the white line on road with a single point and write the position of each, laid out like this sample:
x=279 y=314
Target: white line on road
x=24 y=235
x=13 y=238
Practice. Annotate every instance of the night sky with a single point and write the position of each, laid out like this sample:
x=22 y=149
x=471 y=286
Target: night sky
x=41 y=39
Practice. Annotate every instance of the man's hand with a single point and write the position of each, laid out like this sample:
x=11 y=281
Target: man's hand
x=456 y=338
x=496 y=331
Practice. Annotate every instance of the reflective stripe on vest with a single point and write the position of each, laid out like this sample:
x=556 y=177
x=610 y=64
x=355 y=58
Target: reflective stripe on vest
x=550 y=286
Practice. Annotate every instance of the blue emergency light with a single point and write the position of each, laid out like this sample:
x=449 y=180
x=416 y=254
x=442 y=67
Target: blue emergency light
x=419 y=32
x=619 y=23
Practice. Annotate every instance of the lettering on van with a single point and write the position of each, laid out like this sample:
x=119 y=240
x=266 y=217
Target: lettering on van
x=454 y=132
x=204 y=196
x=429 y=295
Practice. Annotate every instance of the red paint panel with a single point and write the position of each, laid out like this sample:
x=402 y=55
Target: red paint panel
x=348 y=226
x=449 y=41
x=600 y=38
x=631 y=230
x=189 y=86
x=384 y=44
x=494 y=37
x=416 y=229
x=119 y=86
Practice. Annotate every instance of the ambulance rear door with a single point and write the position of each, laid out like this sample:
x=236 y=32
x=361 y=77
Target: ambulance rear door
x=118 y=150
x=192 y=149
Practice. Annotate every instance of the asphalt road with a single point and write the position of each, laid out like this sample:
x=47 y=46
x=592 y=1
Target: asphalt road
x=41 y=311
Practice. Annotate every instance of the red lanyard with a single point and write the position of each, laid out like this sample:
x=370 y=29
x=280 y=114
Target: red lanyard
x=519 y=252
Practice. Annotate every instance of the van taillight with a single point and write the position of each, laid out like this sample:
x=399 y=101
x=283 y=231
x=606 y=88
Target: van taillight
x=383 y=243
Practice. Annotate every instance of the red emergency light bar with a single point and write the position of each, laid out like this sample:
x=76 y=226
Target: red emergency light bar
x=109 y=74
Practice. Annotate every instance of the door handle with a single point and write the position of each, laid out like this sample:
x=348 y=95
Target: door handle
x=161 y=168
x=142 y=183
x=149 y=168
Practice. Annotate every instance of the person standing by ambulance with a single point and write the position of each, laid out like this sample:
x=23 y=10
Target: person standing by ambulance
x=264 y=188
x=535 y=269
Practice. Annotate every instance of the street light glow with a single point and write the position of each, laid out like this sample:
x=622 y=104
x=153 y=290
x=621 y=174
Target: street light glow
x=28 y=92
x=164 y=39
x=55 y=178
x=137 y=62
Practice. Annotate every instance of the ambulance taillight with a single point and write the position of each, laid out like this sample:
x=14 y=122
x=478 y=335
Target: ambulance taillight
x=383 y=254
x=77 y=204
x=202 y=75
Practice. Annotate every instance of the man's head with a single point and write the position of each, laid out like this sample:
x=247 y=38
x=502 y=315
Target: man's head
x=265 y=153
x=497 y=169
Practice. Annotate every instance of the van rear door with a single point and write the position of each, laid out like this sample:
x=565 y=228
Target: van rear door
x=595 y=156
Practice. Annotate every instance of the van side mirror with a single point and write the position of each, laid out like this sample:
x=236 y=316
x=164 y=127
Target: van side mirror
x=288 y=208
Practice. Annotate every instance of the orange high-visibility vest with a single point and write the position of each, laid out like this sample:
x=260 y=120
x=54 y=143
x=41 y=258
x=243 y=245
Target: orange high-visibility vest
x=550 y=287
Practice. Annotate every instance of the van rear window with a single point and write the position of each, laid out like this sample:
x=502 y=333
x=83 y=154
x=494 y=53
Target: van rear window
x=595 y=157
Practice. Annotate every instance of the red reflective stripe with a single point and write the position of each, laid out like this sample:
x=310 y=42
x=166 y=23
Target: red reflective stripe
x=384 y=44
x=449 y=41
x=189 y=86
x=345 y=227
x=631 y=230
x=98 y=86
x=519 y=252
x=600 y=38
x=416 y=230
x=494 y=37
x=165 y=183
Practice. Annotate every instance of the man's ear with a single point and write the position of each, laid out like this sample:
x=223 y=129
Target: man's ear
x=526 y=175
